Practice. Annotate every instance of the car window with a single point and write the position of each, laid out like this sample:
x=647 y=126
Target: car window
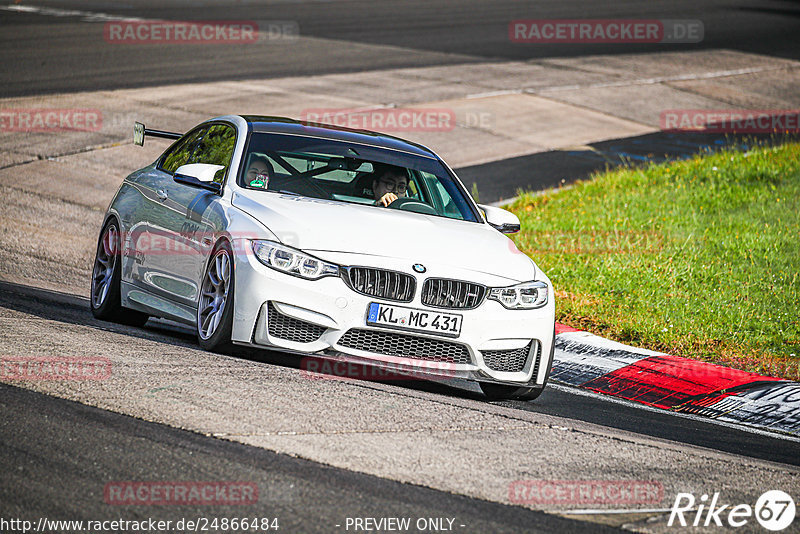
x=215 y=146
x=441 y=197
x=181 y=152
x=346 y=172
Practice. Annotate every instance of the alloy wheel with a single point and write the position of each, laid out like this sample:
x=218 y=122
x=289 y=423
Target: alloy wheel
x=104 y=265
x=213 y=294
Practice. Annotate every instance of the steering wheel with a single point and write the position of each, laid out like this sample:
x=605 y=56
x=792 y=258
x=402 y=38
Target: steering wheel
x=413 y=205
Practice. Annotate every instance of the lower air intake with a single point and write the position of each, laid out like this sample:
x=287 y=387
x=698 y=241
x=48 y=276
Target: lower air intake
x=291 y=329
x=509 y=361
x=403 y=345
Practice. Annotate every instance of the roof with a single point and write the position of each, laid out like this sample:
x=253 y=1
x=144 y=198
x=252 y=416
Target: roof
x=283 y=125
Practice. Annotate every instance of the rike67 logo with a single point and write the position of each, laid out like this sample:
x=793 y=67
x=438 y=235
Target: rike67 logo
x=774 y=510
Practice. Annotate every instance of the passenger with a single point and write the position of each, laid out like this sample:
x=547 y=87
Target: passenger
x=259 y=172
x=390 y=184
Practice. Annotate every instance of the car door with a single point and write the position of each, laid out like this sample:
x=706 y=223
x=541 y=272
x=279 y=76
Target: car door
x=192 y=228
x=147 y=247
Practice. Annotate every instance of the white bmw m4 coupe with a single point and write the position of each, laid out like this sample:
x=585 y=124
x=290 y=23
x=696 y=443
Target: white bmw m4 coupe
x=318 y=240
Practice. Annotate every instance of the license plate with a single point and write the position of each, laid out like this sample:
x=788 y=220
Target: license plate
x=402 y=318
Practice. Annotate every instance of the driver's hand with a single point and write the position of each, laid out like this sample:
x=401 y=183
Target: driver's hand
x=387 y=199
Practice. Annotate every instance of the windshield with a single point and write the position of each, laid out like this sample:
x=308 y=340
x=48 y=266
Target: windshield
x=354 y=173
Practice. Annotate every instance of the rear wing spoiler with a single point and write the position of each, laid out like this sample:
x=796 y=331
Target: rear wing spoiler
x=139 y=131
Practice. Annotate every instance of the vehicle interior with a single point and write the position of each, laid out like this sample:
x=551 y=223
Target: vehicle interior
x=350 y=179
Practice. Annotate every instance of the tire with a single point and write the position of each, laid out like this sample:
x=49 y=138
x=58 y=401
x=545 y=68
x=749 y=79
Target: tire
x=104 y=295
x=215 y=303
x=504 y=392
x=533 y=394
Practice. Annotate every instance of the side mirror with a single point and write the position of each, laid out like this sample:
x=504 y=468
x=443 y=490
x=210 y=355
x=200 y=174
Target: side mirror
x=501 y=220
x=199 y=175
x=138 y=133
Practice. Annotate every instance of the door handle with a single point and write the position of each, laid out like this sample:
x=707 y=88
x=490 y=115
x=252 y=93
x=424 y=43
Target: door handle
x=161 y=194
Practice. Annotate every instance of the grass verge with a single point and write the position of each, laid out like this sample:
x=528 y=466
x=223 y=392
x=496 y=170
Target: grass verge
x=697 y=258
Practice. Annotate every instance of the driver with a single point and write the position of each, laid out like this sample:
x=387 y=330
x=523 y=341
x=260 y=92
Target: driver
x=390 y=183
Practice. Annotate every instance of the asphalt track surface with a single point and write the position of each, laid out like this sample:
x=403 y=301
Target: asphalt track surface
x=47 y=54
x=55 y=444
x=63 y=476
x=54 y=51
x=562 y=402
x=57 y=454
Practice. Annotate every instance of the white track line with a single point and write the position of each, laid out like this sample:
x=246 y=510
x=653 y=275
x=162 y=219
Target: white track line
x=600 y=511
x=86 y=16
x=640 y=81
x=663 y=79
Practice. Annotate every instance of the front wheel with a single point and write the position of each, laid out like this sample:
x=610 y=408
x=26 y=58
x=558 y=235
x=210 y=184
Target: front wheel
x=215 y=305
x=105 y=296
x=504 y=392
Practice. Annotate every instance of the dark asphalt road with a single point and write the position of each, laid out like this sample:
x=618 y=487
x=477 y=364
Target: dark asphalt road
x=562 y=403
x=45 y=53
x=48 y=53
x=58 y=456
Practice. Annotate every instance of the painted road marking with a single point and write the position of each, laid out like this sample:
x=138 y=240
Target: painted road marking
x=86 y=16
x=676 y=384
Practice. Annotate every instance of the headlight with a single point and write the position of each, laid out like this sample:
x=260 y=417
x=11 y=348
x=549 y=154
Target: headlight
x=292 y=261
x=525 y=296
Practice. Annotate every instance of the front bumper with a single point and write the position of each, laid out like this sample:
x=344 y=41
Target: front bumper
x=314 y=317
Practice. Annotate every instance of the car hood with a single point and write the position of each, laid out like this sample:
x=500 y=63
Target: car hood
x=321 y=226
